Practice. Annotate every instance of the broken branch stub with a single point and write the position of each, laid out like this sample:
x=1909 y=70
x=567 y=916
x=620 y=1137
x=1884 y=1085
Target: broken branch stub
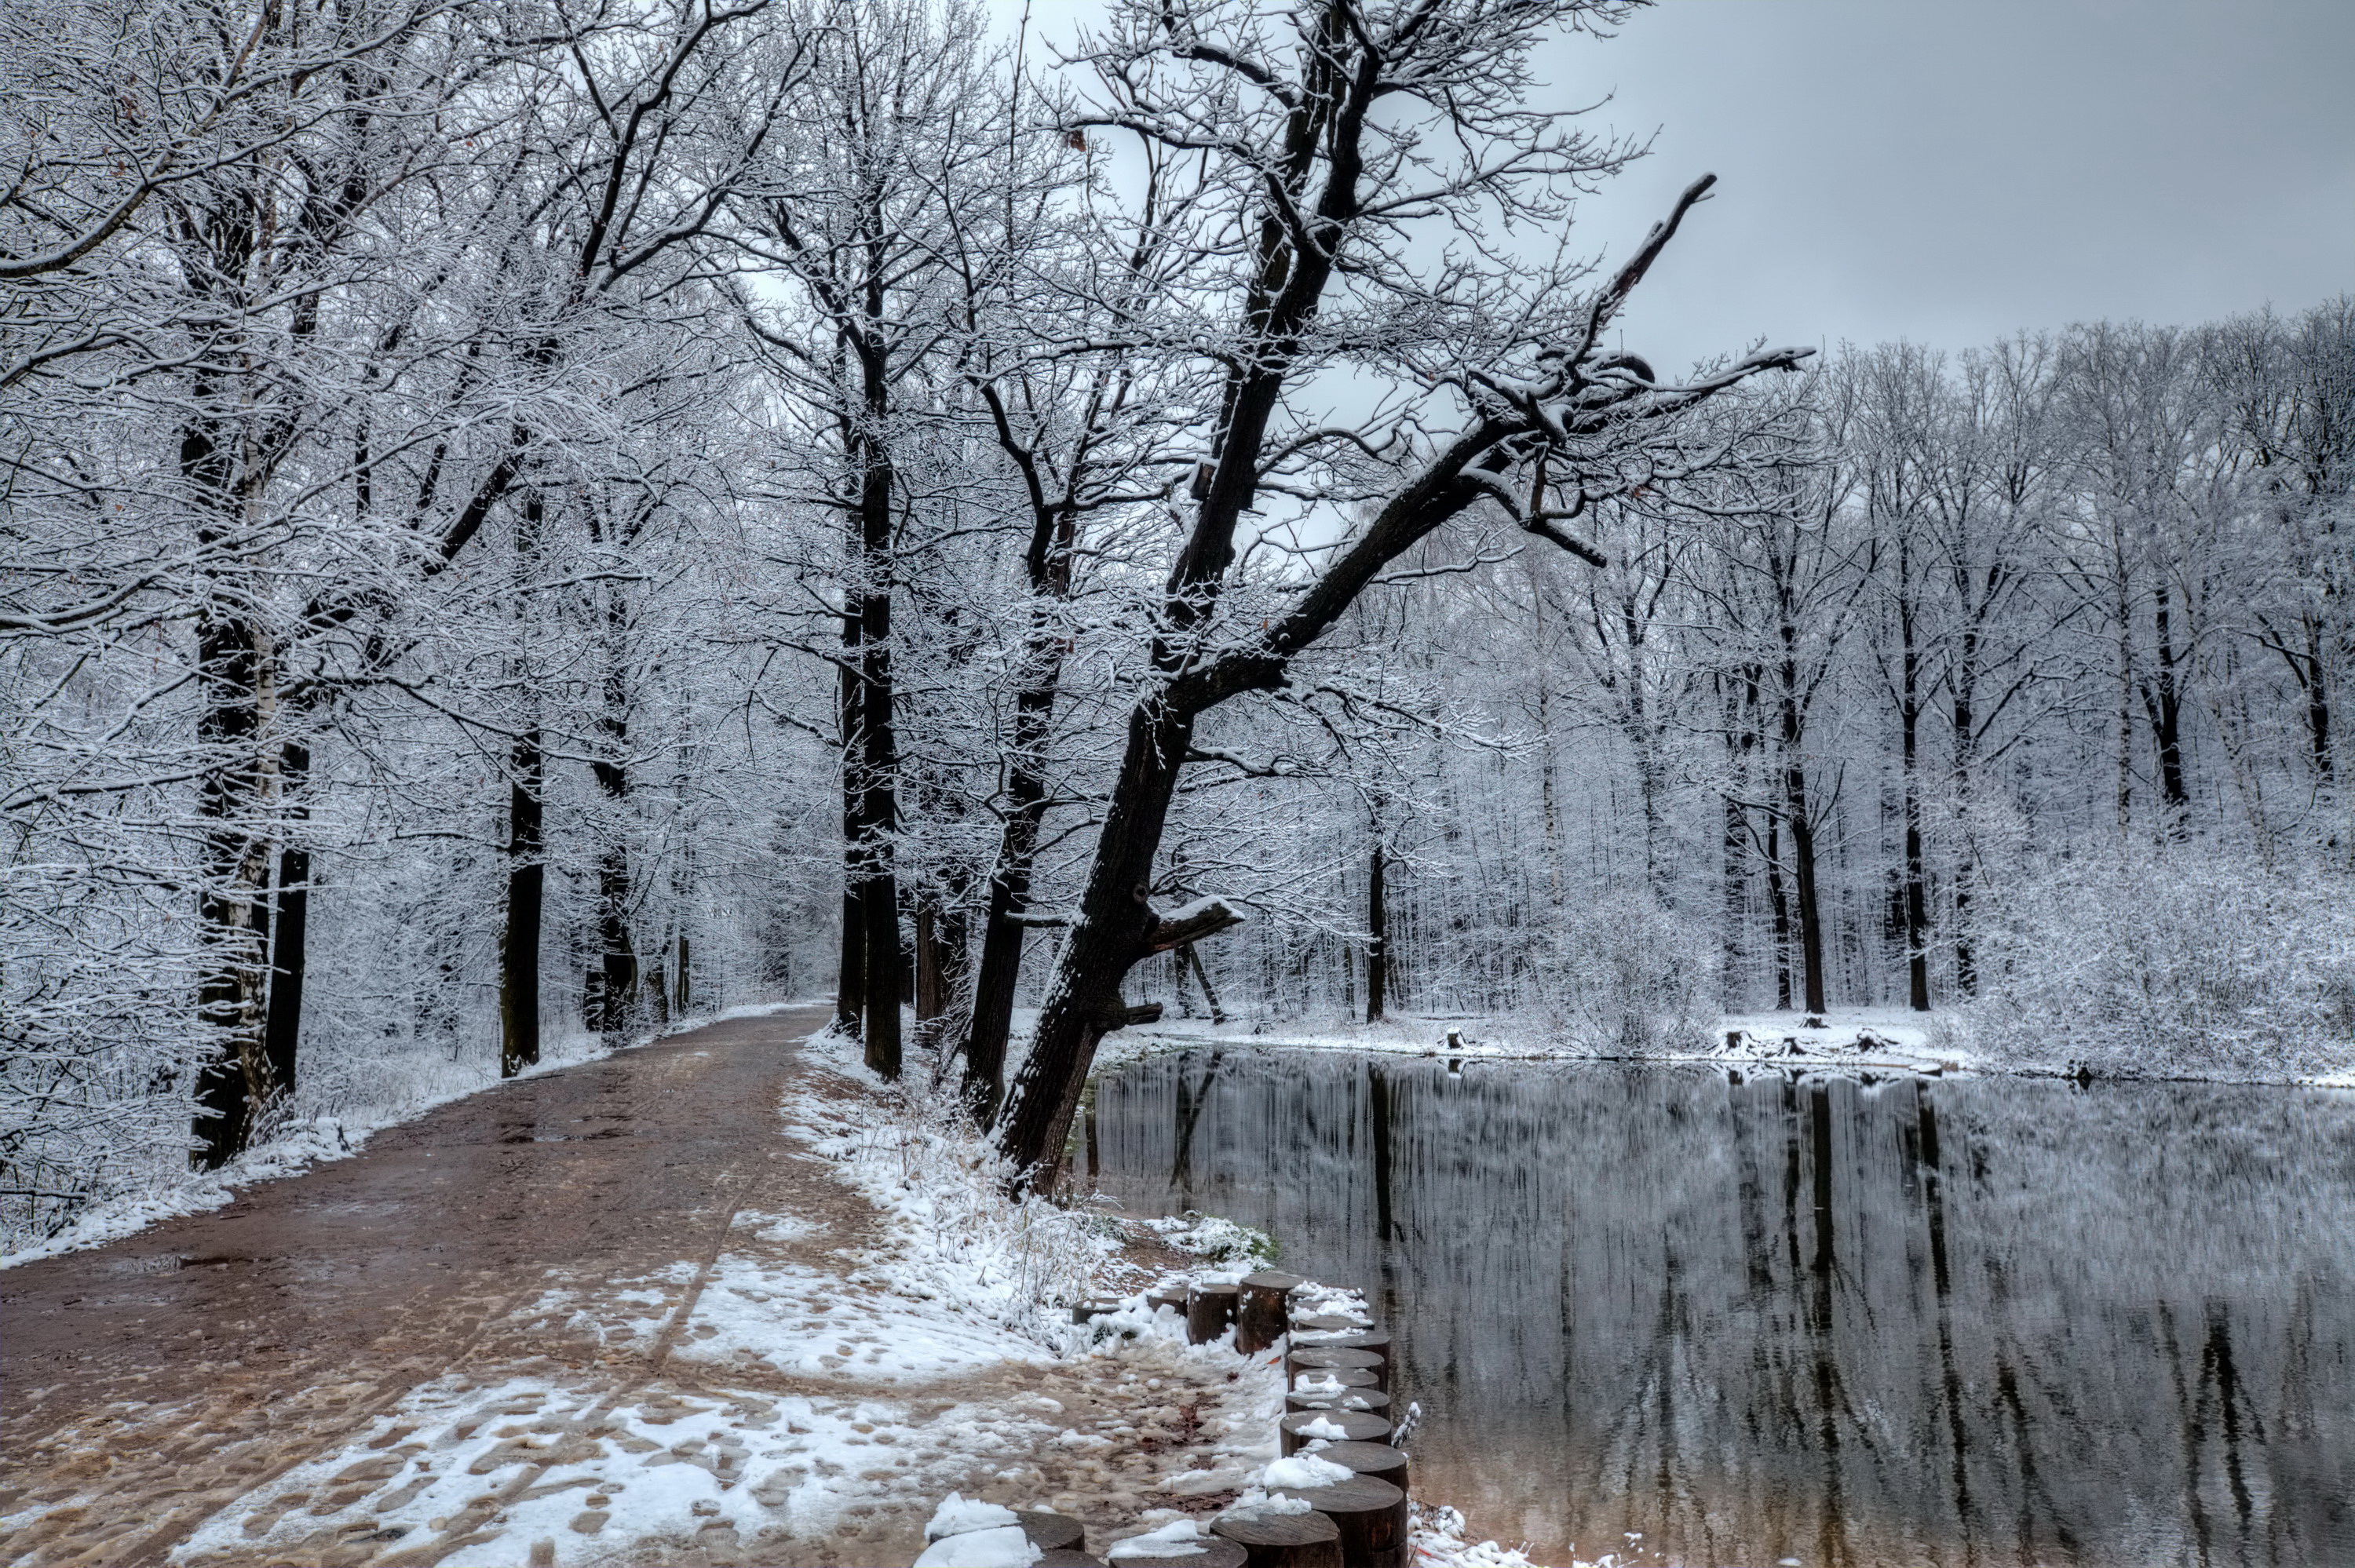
x=1205 y=918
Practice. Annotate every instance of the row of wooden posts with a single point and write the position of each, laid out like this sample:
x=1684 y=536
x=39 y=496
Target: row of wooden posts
x=1337 y=1372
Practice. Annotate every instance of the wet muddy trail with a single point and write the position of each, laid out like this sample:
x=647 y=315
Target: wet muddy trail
x=177 y=1370
x=622 y=1313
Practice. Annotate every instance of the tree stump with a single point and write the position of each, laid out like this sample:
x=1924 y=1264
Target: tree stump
x=1216 y=1551
x=1367 y=1457
x=1282 y=1539
x=1355 y=1426
x=1317 y=1359
x=1333 y=1380
x=1051 y=1531
x=1357 y=1340
x=1208 y=1310
x=1371 y=1516
x=1259 y=1317
x=1358 y=1401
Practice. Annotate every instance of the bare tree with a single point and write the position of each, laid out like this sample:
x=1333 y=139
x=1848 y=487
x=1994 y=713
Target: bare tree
x=1382 y=117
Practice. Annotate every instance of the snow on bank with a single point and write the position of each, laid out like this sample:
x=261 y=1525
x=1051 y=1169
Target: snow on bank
x=1884 y=1038
x=316 y=1140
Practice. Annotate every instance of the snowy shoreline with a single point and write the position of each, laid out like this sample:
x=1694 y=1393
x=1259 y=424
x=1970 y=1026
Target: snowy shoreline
x=1885 y=1040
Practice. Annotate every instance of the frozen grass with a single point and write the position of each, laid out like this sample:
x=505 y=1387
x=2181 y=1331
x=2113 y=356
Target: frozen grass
x=941 y=1185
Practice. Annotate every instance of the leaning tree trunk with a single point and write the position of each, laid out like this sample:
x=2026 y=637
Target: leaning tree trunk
x=1108 y=939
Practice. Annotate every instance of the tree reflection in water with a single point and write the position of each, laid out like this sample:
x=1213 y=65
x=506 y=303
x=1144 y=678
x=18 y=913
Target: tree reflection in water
x=1963 y=1322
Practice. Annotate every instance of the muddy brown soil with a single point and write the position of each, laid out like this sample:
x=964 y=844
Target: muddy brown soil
x=146 y=1384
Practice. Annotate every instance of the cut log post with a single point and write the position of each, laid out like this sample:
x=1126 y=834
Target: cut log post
x=1282 y=1539
x=1328 y=1320
x=1051 y=1531
x=1173 y=1298
x=1379 y=1460
x=1333 y=1380
x=1208 y=1310
x=1317 y=1358
x=1302 y=1427
x=1209 y=1552
x=1372 y=1340
x=1070 y=1558
x=1364 y=1401
x=1259 y=1317
x=1089 y=1311
x=1371 y=1516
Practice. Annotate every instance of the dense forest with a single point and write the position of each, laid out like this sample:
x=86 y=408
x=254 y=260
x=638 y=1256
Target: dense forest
x=522 y=522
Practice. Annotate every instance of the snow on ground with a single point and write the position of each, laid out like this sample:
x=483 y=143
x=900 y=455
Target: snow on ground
x=1889 y=1038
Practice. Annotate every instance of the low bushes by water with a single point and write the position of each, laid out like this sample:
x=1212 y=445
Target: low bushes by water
x=2186 y=961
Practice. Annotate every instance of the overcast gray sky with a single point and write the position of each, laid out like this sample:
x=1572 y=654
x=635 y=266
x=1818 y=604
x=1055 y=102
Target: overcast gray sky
x=1951 y=170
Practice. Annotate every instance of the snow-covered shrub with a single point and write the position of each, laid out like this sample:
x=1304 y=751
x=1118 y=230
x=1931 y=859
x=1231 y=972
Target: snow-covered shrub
x=1218 y=1241
x=941 y=1184
x=1624 y=976
x=2186 y=960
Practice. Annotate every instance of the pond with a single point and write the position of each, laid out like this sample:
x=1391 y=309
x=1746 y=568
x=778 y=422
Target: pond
x=1702 y=1316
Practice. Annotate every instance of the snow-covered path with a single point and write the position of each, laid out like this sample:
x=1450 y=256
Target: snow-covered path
x=612 y=1314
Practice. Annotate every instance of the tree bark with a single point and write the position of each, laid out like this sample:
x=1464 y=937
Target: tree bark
x=1377 y=937
x=527 y=866
x=290 y=927
x=526 y=881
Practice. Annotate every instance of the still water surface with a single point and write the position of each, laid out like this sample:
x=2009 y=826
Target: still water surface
x=1697 y=1317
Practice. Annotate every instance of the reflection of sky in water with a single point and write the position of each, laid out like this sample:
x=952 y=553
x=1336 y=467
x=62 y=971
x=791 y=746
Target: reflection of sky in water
x=1991 y=1321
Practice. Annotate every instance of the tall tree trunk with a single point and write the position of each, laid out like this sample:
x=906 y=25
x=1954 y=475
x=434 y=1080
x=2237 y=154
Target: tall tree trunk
x=1010 y=882
x=1963 y=718
x=1917 y=879
x=879 y=771
x=1805 y=886
x=1377 y=934
x=526 y=884
x=290 y=928
x=236 y=665
x=850 y=987
x=2163 y=703
x=527 y=867
x=1778 y=905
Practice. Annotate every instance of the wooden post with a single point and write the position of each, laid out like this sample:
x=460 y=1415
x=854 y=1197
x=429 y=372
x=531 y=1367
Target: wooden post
x=1210 y=1552
x=1173 y=1298
x=1371 y=1516
x=1366 y=1401
x=1372 y=1340
x=1354 y=1426
x=1328 y=1322
x=1260 y=1319
x=1377 y=1459
x=1208 y=1310
x=1333 y=1380
x=1071 y=1557
x=1316 y=1358
x=1282 y=1539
